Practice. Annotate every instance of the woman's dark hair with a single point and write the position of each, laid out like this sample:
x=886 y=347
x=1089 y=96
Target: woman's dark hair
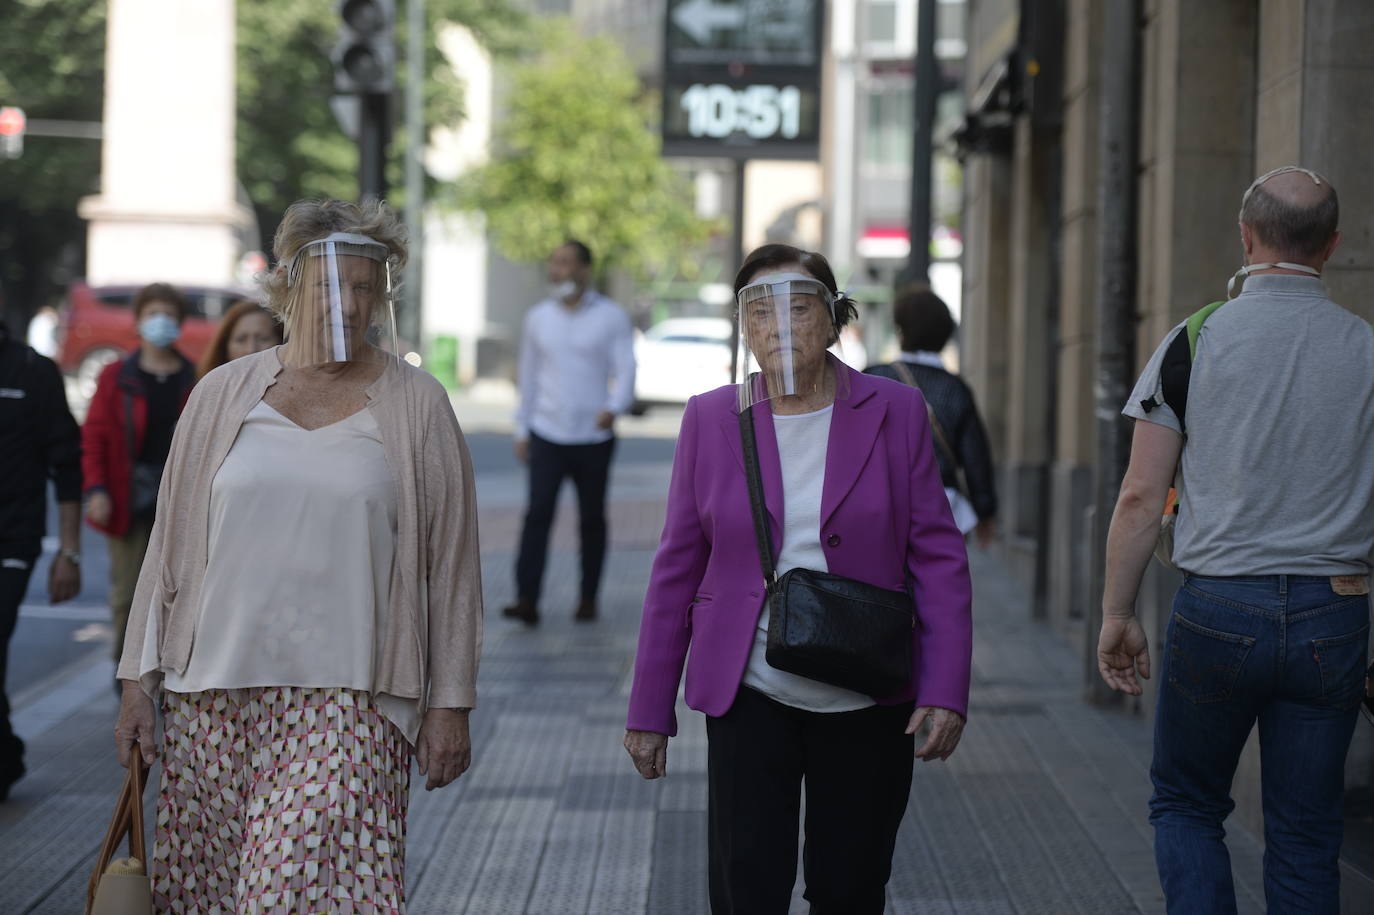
x=161 y=292
x=769 y=256
x=218 y=351
x=922 y=318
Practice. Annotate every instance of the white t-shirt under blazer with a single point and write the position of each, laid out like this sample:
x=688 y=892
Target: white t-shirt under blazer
x=803 y=440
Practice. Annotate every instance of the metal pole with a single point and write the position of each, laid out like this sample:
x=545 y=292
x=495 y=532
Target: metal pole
x=415 y=177
x=372 y=139
x=1115 y=293
x=926 y=90
x=737 y=251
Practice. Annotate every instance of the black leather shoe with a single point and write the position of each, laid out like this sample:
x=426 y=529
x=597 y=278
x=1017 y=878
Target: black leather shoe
x=11 y=767
x=524 y=611
x=586 y=611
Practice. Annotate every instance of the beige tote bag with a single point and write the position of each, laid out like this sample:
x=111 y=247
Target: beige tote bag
x=122 y=887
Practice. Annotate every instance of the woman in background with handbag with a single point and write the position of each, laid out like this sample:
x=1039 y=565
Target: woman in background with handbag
x=924 y=327
x=127 y=437
x=810 y=562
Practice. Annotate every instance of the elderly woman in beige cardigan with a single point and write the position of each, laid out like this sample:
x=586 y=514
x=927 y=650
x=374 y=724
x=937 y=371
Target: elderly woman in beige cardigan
x=309 y=609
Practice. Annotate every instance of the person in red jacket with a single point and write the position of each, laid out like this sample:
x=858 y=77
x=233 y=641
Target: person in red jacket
x=127 y=436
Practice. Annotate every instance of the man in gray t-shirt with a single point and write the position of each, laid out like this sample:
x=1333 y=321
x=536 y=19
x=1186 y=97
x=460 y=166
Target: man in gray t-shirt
x=1274 y=456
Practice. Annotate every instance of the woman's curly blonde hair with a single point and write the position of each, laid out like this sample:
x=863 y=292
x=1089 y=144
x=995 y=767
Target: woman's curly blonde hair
x=310 y=220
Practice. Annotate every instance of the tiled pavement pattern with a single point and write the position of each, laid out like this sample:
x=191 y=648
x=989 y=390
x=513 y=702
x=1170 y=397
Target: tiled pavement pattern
x=1042 y=810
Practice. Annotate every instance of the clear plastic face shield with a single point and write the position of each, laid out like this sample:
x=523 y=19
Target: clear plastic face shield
x=339 y=307
x=786 y=322
x=1243 y=272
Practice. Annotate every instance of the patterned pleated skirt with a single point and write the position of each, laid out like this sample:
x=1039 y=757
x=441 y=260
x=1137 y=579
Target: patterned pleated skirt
x=280 y=800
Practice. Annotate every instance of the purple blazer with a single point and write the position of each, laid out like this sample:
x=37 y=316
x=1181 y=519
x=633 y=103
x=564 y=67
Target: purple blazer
x=884 y=515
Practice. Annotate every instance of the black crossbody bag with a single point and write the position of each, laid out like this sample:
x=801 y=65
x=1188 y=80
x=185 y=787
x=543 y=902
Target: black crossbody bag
x=827 y=627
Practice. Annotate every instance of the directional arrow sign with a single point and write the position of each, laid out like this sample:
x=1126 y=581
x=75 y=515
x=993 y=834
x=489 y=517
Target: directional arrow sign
x=699 y=18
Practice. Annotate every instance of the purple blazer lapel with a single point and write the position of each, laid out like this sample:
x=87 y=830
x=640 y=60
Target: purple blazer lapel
x=853 y=431
x=770 y=466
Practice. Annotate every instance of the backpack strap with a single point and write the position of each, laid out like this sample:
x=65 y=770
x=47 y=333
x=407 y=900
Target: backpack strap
x=1194 y=328
x=1176 y=368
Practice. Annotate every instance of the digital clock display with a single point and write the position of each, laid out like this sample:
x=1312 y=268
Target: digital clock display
x=750 y=113
x=742 y=78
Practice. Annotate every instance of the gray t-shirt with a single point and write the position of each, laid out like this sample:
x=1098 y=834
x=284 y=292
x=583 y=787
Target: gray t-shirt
x=1278 y=465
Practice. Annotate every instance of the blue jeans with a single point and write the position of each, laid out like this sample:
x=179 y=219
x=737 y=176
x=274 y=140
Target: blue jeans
x=1284 y=650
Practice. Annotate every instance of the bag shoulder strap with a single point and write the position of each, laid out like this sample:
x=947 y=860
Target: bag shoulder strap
x=941 y=440
x=754 y=477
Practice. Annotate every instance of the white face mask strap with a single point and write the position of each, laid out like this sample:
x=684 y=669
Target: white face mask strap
x=1252 y=268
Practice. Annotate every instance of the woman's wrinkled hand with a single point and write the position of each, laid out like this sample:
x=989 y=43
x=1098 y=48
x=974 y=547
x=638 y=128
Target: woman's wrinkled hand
x=137 y=724
x=946 y=727
x=649 y=750
x=444 y=747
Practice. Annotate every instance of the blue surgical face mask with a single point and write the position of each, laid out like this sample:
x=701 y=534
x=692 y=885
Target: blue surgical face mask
x=159 y=330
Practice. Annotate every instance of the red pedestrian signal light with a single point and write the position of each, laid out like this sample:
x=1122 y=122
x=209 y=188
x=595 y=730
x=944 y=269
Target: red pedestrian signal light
x=12 y=124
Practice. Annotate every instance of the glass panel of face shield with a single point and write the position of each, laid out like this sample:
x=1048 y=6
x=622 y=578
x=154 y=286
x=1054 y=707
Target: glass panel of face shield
x=340 y=306
x=786 y=321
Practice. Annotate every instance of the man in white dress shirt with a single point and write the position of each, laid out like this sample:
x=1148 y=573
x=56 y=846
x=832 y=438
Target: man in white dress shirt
x=576 y=374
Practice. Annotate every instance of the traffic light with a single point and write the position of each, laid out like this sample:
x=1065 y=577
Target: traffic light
x=12 y=123
x=365 y=57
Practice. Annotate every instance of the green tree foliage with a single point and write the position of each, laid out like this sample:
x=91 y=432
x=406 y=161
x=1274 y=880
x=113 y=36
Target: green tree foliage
x=52 y=64
x=577 y=154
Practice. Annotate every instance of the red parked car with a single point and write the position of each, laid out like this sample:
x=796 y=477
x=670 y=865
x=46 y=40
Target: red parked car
x=98 y=327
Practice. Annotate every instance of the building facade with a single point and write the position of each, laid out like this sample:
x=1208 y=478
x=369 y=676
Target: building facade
x=1223 y=91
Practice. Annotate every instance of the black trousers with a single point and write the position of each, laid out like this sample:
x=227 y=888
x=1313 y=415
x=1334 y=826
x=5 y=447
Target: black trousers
x=590 y=469
x=857 y=770
x=16 y=567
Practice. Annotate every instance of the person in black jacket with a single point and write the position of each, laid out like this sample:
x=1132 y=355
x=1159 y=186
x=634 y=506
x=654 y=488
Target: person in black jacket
x=39 y=441
x=924 y=326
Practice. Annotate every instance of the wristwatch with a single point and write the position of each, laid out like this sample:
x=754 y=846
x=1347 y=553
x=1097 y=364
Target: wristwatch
x=71 y=556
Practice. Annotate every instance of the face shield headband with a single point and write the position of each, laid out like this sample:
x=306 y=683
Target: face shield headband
x=340 y=290
x=1248 y=269
x=784 y=318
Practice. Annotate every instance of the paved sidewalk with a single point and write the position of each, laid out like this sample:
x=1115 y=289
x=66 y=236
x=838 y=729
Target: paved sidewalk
x=1041 y=810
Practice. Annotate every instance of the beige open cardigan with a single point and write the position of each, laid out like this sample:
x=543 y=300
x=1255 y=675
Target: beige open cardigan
x=433 y=634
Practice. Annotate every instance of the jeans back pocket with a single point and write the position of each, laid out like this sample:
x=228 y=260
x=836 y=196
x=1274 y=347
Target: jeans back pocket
x=1204 y=664
x=1341 y=661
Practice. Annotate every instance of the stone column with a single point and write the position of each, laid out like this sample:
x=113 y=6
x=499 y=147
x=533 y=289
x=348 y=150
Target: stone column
x=1316 y=77
x=1071 y=481
x=167 y=208
x=983 y=339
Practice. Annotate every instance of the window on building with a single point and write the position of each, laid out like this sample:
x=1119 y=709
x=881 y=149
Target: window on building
x=881 y=25
x=889 y=123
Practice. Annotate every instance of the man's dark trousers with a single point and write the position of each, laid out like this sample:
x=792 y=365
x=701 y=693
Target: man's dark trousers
x=16 y=567
x=590 y=467
x=1288 y=652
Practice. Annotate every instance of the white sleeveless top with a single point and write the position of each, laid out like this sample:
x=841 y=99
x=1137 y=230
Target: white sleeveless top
x=302 y=534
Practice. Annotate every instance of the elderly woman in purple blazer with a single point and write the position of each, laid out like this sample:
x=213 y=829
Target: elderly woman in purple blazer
x=852 y=487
